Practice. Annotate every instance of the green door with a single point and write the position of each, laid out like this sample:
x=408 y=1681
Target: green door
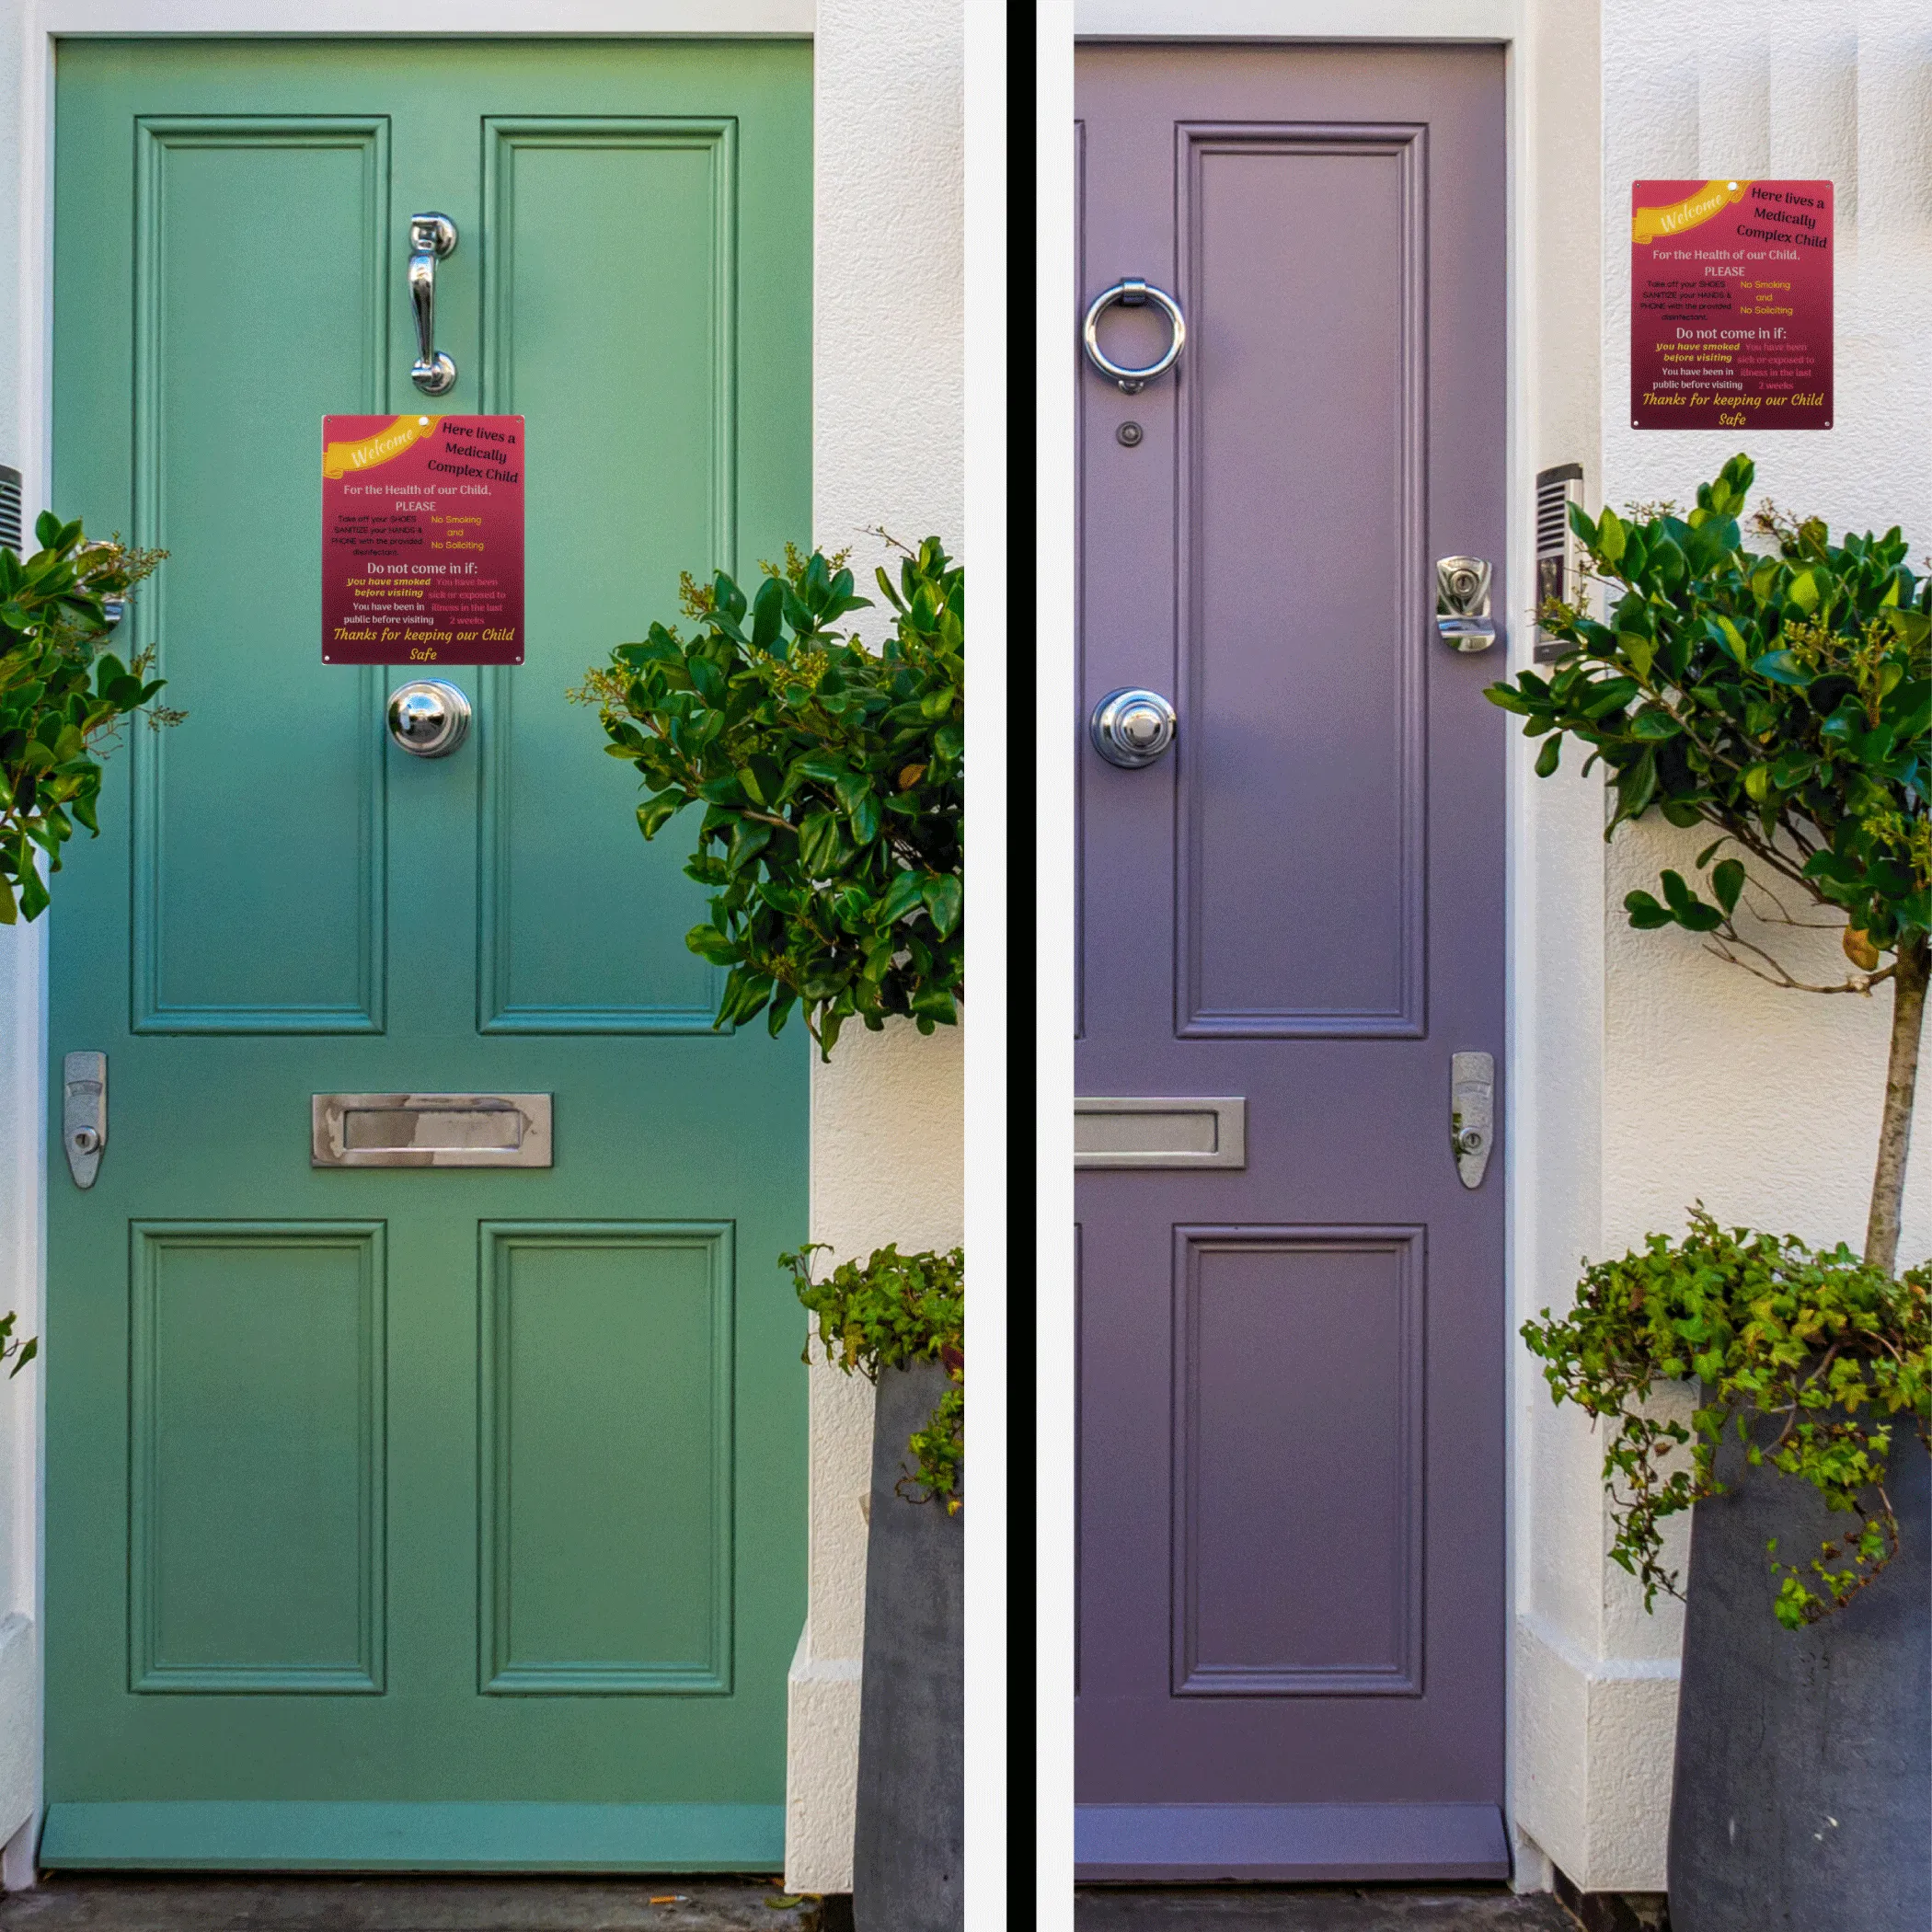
x=418 y=1517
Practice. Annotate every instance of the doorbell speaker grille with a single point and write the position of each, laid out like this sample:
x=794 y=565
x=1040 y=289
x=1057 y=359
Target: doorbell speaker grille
x=9 y=509
x=1559 y=554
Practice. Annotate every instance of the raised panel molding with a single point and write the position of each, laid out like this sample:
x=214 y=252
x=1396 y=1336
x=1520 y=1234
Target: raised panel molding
x=156 y=1004
x=506 y=1000
x=208 y=1430
x=612 y=1519
x=1404 y=1017
x=1385 y=1350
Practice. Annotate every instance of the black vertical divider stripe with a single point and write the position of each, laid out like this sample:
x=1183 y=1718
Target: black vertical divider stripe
x=1022 y=927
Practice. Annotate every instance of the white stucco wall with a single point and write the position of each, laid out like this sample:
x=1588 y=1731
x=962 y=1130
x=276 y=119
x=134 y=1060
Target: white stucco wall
x=1660 y=1076
x=888 y=448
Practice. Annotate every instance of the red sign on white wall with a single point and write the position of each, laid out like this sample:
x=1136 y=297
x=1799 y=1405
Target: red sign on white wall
x=1730 y=305
x=422 y=539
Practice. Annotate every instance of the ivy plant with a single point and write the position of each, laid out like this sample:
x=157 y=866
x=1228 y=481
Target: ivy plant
x=831 y=778
x=19 y=1353
x=891 y=1311
x=1781 y=700
x=1833 y=1350
x=63 y=699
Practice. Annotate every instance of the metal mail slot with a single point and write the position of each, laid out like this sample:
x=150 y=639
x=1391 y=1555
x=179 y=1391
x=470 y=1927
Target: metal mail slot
x=1160 y=1130
x=429 y=1130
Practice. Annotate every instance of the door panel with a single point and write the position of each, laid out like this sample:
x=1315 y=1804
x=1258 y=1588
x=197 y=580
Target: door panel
x=202 y=449
x=1311 y=340
x=1291 y=1372
x=418 y=1517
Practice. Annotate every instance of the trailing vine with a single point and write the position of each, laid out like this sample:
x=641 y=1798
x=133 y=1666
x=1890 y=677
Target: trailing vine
x=1836 y=1351
x=891 y=1311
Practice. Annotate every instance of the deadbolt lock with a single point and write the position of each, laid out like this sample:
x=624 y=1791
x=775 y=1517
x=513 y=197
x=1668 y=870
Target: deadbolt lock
x=1462 y=603
x=84 y=1114
x=1472 y=1114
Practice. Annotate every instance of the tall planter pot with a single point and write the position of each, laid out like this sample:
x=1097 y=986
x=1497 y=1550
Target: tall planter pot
x=1803 y=1791
x=909 y=1842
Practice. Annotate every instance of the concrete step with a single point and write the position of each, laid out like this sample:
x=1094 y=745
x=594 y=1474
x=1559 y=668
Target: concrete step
x=241 y=1903
x=1313 y=1908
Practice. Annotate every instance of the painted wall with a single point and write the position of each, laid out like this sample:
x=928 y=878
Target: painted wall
x=888 y=448
x=1660 y=1074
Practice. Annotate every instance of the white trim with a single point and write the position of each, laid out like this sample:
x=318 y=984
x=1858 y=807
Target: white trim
x=987 y=1116
x=633 y=20
x=1299 y=19
x=1054 y=686
x=1551 y=1165
x=926 y=485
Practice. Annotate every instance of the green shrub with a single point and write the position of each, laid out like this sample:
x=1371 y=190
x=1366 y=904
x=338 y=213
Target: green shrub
x=831 y=779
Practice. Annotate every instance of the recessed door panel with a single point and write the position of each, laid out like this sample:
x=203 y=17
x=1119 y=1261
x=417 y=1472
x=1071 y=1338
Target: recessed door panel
x=1298 y=1428
x=239 y=346
x=257 y=1475
x=606 y=1444
x=1302 y=639
x=653 y=488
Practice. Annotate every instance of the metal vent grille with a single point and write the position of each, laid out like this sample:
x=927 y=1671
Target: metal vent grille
x=9 y=509
x=1557 y=549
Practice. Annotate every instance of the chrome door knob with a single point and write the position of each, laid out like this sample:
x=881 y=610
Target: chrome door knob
x=1131 y=728
x=428 y=716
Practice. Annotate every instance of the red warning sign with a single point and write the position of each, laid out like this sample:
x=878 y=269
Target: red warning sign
x=422 y=539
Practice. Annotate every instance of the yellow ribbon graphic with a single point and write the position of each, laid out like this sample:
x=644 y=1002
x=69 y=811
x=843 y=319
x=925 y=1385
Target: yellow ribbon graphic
x=367 y=451
x=1649 y=224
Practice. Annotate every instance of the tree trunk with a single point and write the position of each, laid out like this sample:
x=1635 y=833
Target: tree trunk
x=1887 y=1183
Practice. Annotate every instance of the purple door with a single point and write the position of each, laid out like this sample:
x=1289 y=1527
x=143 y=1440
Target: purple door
x=1292 y=1309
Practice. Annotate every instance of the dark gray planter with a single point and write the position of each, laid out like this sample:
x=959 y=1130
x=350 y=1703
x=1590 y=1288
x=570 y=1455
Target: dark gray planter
x=1803 y=1792
x=907 y=1849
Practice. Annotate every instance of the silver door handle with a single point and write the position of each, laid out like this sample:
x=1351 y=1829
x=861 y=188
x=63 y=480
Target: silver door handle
x=1131 y=728
x=429 y=717
x=432 y=237
x=1134 y=295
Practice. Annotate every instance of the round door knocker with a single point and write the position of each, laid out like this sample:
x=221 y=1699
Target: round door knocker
x=429 y=717
x=1134 y=295
x=1131 y=728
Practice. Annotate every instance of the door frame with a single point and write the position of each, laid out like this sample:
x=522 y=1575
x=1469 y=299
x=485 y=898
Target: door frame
x=1554 y=1017
x=855 y=42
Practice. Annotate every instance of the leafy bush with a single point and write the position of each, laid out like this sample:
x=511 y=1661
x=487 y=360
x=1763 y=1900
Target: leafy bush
x=831 y=779
x=1836 y=1347
x=63 y=698
x=890 y=1311
x=1783 y=701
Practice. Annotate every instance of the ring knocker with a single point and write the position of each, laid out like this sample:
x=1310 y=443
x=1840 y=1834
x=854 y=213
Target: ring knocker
x=1134 y=295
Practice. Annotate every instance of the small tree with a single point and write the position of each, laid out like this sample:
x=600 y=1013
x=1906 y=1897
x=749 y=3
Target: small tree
x=1783 y=701
x=63 y=697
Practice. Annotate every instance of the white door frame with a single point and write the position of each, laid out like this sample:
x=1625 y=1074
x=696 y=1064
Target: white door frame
x=881 y=67
x=1552 y=1166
